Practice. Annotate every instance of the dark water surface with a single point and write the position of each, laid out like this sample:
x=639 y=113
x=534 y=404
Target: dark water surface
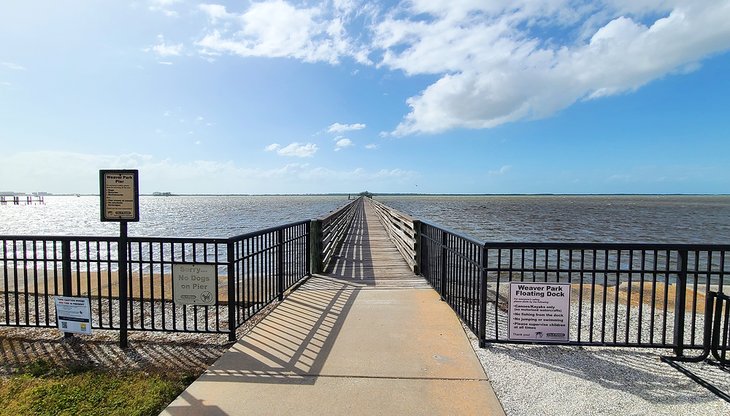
x=653 y=219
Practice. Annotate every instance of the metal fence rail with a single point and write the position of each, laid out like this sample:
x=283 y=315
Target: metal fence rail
x=720 y=341
x=265 y=265
x=637 y=295
x=452 y=264
x=250 y=271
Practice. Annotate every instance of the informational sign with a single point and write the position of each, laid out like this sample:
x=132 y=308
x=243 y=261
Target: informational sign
x=119 y=195
x=539 y=312
x=194 y=284
x=73 y=314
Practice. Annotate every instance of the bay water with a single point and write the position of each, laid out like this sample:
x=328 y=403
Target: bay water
x=614 y=218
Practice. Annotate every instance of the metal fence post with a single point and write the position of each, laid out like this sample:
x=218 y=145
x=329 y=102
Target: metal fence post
x=66 y=275
x=680 y=303
x=444 y=253
x=280 y=264
x=315 y=246
x=483 y=299
x=122 y=275
x=307 y=244
x=232 y=304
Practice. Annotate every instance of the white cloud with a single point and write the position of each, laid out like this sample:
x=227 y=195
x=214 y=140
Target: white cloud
x=341 y=128
x=342 y=143
x=493 y=68
x=371 y=146
x=494 y=62
x=13 y=66
x=5 y=83
x=164 y=7
x=215 y=12
x=276 y=28
x=164 y=62
x=68 y=172
x=293 y=149
x=162 y=49
x=501 y=171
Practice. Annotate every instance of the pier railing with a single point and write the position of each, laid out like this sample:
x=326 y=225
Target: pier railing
x=401 y=229
x=633 y=295
x=249 y=272
x=330 y=231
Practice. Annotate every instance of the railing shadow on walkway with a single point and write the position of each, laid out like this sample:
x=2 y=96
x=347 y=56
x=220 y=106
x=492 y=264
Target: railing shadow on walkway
x=292 y=344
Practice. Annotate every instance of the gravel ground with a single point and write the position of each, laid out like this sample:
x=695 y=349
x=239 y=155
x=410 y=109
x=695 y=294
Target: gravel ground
x=560 y=380
x=528 y=380
x=183 y=353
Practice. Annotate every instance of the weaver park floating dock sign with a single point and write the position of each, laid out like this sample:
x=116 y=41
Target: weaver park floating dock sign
x=73 y=314
x=194 y=284
x=119 y=195
x=539 y=312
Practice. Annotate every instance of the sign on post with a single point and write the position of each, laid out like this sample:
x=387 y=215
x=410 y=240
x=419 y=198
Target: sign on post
x=73 y=314
x=194 y=284
x=119 y=195
x=539 y=312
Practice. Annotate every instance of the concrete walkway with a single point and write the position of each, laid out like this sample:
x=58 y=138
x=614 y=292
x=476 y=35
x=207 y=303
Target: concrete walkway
x=370 y=338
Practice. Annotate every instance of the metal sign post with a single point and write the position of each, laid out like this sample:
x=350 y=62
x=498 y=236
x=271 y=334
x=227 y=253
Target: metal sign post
x=120 y=202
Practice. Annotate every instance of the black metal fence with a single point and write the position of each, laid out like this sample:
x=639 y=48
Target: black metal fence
x=250 y=271
x=637 y=295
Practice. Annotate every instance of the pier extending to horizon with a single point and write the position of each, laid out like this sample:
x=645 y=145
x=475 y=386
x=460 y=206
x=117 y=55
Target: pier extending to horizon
x=363 y=302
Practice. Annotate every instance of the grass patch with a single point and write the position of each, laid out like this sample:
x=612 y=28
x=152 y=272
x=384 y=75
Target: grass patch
x=41 y=388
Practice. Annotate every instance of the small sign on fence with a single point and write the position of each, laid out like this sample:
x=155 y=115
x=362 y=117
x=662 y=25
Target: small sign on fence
x=73 y=314
x=194 y=284
x=539 y=312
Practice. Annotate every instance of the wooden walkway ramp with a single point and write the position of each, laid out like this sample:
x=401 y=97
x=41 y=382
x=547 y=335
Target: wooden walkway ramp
x=369 y=337
x=368 y=259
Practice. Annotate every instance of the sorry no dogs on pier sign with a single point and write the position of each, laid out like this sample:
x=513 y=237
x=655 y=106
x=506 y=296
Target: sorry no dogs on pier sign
x=194 y=284
x=539 y=312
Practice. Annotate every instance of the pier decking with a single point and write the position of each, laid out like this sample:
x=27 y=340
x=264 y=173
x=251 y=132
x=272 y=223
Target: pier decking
x=369 y=337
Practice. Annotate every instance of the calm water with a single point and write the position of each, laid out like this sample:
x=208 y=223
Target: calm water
x=653 y=219
x=662 y=219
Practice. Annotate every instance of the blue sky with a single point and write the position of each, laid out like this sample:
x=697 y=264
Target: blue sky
x=275 y=96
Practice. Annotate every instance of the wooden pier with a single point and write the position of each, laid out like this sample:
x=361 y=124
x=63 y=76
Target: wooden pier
x=22 y=200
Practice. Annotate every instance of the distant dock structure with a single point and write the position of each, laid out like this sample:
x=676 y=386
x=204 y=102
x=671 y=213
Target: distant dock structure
x=35 y=199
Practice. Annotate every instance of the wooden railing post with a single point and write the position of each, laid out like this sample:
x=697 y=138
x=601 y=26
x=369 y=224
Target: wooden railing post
x=417 y=246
